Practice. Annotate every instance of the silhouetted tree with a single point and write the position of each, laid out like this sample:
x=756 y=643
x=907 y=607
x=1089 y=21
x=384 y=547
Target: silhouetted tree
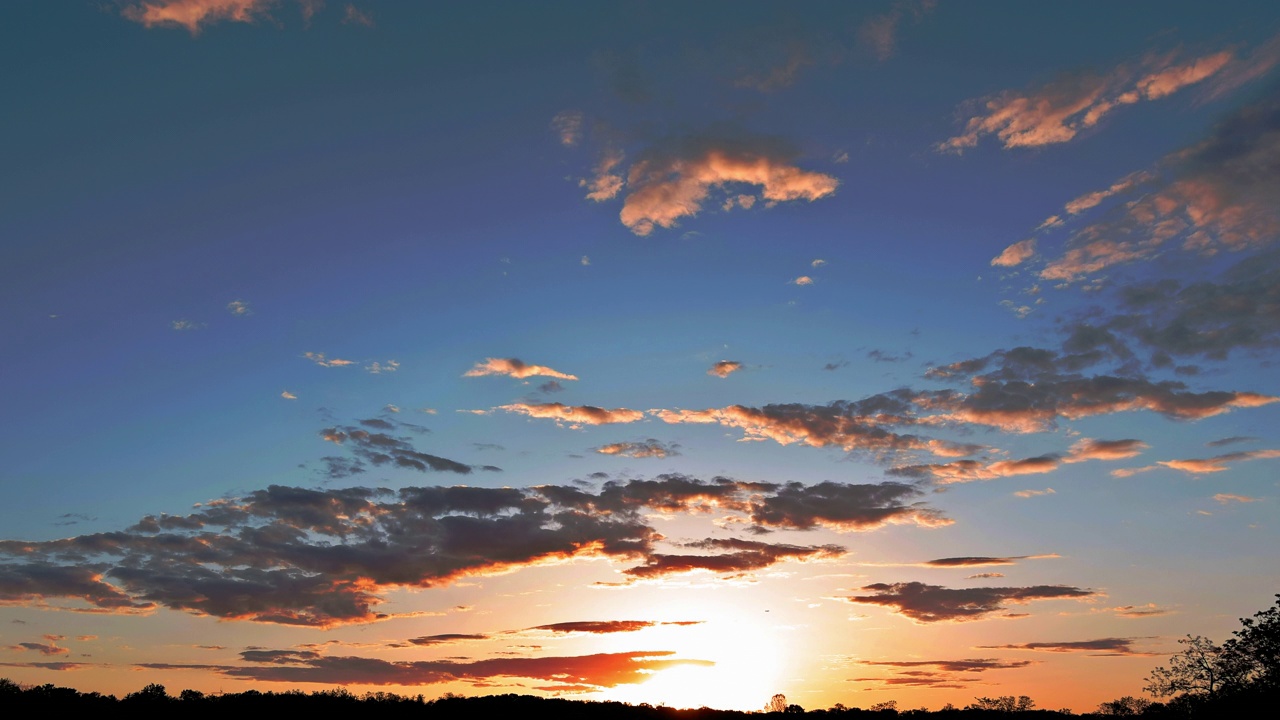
x=1201 y=669
x=1254 y=652
x=1004 y=703
x=777 y=703
x=1127 y=705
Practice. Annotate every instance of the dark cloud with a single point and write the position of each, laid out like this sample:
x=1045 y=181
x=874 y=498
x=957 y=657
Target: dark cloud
x=739 y=556
x=971 y=665
x=43 y=648
x=1101 y=646
x=73 y=519
x=962 y=471
x=982 y=561
x=650 y=448
x=597 y=671
x=1232 y=440
x=446 y=638
x=601 y=627
x=832 y=366
x=881 y=356
x=299 y=556
x=934 y=603
x=551 y=386
x=380 y=448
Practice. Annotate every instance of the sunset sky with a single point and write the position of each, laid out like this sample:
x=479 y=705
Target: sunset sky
x=667 y=352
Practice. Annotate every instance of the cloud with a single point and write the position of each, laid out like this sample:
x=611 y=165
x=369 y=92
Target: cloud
x=602 y=627
x=606 y=182
x=1087 y=449
x=740 y=556
x=445 y=638
x=970 y=665
x=983 y=561
x=1058 y=111
x=650 y=448
x=1016 y=254
x=288 y=395
x=934 y=603
x=1090 y=200
x=724 y=368
x=671 y=180
x=1035 y=493
x=324 y=558
x=842 y=506
x=1226 y=498
x=1231 y=440
x=1216 y=195
x=595 y=671
x=962 y=471
x=801 y=281
x=575 y=415
x=879 y=33
x=1201 y=466
x=568 y=126
x=377 y=368
x=516 y=368
x=191 y=14
x=355 y=16
x=43 y=648
x=1107 y=647
x=322 y=361
x=185 y=325
x=239 y=308
x=983 y=576
x=1140 y=611
x=379 y=448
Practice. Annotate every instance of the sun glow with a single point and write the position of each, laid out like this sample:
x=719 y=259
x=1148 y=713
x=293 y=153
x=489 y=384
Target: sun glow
x=748 y=650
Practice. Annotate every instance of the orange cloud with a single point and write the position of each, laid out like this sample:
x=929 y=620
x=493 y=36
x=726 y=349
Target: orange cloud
x=1225 y=498
x=962 y=471
x=672 y=183
x=322 y=361
x=582 y=414
x=845 y=425
x=1035 y=493
x=1057 y=112
x=724 y=368
x=1015 y=254
x=1089 y=200
x=191 y=14
x=1087 y=449
x=515 y=368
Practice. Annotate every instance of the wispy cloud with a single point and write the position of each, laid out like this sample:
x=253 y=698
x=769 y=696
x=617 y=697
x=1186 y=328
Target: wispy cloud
x=1058 y=111
x=1101 y=646
x=323 y=361
x=574 y=415
x=516 y=368
x=934 y=603
x=239 y=308
x=650 y=448
x=193 y=14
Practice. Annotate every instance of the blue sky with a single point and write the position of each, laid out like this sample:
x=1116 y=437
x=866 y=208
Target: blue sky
x=825 y=292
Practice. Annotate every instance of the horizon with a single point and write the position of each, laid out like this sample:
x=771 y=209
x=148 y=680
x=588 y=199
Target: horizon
x=686 y=355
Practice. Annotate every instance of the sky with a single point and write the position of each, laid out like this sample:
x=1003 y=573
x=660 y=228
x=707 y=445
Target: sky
x=661 y=352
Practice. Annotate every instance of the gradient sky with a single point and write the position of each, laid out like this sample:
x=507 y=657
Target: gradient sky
x=652 y=351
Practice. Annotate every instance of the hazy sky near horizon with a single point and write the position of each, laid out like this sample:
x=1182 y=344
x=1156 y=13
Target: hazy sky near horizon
x=652 y=351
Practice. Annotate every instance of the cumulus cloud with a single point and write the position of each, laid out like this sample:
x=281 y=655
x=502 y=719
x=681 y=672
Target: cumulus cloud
x=192 y=14
x=934 y=603
x=962 y=471
x=574 y=414
x=650 y=448
x=516 y=368
x=288 y=395
x=49 y=648
x=1058 y=111
x=1015 y=254
x=736 y=557
x=802 y=281
x=322 y=558
x=185 y=325
x=724 y=368
x=1100 y=647
x=673 y=179
x=1214 y=196
x=239 y=308
x=605 y=182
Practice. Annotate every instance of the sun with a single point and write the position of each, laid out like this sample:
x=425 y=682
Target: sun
x=748 y=653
